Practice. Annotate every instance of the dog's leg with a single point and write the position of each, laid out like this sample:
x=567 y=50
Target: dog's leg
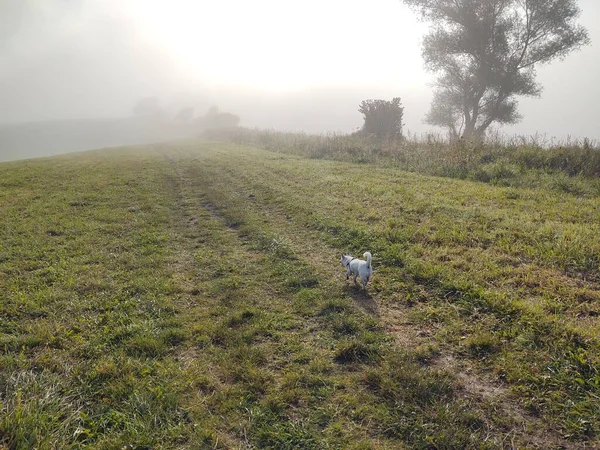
x=355 y=277
x=365 y=281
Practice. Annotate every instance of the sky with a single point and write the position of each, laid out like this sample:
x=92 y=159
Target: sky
x=284 y=65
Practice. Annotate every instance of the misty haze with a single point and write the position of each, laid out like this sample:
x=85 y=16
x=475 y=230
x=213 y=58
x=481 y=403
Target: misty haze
x=305 y=69
x=299 y=225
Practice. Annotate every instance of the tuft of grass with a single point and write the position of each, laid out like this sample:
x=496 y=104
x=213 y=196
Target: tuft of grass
x=356 y=352
x=481 y=344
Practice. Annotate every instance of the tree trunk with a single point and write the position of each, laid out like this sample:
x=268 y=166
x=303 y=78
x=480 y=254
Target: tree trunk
x=469 y=130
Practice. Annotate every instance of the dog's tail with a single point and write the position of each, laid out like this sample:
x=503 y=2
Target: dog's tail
x=368 y=256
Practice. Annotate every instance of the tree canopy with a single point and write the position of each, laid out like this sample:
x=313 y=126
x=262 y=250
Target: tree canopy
x=382 y=118
x=485 y=53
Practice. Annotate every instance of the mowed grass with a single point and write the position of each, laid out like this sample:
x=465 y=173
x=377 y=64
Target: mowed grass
x=189 y=296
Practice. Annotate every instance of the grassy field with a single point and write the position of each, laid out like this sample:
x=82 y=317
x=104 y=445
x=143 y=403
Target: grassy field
x=190 y=296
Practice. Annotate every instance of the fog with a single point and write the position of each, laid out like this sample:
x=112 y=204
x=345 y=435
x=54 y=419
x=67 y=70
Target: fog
x=301 y=66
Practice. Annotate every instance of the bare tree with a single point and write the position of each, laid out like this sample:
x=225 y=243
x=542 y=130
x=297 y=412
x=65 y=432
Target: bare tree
x=486 y=51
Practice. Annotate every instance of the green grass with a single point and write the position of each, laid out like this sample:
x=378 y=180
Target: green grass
x=190 y=296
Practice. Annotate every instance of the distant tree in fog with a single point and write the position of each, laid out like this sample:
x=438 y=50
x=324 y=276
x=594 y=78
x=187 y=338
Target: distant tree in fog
x=485 y=53
x=215 y=119
x=382 y=118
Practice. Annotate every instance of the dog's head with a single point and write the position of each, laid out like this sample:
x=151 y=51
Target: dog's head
x=345 y=260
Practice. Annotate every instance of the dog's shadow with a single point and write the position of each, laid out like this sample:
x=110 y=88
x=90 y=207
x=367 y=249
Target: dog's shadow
x=363 y=299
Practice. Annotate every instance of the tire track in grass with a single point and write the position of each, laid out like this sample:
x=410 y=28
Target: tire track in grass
x=318 y=255
x=192 y=227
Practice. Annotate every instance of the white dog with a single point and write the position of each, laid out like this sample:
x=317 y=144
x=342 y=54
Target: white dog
x=358 y=267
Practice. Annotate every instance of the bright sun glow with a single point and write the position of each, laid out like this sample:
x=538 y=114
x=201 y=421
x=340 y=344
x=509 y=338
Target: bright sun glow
x=274 y=45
